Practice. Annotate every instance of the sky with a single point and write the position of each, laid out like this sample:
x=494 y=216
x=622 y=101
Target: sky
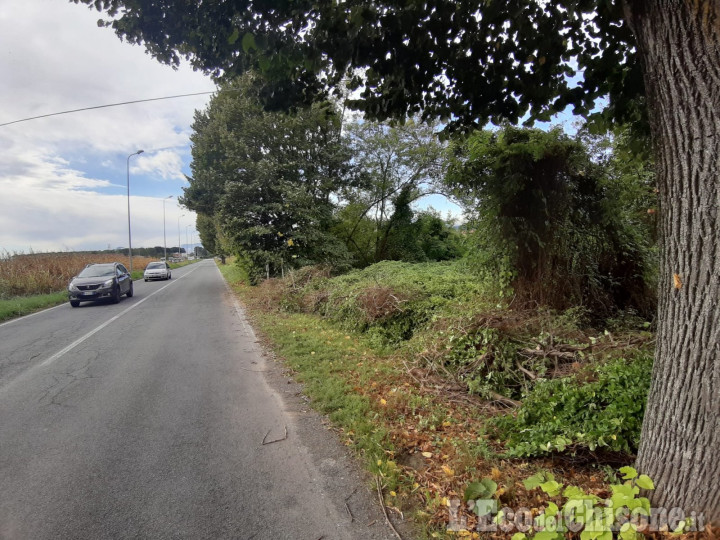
x=63 y=179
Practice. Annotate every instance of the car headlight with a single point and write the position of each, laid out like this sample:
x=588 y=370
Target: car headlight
x=72 y=287
x=109 y=283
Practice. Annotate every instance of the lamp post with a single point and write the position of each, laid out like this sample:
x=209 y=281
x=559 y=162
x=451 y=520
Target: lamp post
x=128 y=201
x=164 y=238
x=179 y=255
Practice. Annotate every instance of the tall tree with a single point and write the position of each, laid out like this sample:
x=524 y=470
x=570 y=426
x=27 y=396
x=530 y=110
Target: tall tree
x=398 y=165
x=469 y=62
x=265 y=179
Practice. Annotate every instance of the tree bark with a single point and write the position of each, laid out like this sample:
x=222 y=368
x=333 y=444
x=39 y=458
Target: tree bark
x=679 y=44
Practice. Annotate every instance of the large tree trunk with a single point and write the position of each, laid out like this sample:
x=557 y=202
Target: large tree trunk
x=679 y=44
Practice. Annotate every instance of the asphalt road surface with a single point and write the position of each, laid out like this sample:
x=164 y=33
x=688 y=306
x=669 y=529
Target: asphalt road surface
x=146 y=419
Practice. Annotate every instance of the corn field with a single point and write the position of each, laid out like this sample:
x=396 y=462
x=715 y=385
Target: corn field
x=40 y=273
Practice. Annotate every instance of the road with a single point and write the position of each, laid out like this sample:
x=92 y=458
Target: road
x=146 y=419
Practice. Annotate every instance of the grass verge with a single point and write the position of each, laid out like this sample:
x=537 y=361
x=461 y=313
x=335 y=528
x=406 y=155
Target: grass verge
x=24 y=305
x=408 y=436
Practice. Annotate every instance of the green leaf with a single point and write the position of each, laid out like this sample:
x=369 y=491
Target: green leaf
x=248 y=42
x=547 y=535
x=264 y=63
x=483 y=507
x=483 y=489
x=552 y=509
x=474 y=490
x=680 y=528
x=622 y=495
x=644 y=482
x=628 y=473
x=518 y=536
x=534 y=481
x=552 y=488
x=628 y=532
x=580 y=510
x=596 y=530
x=573 y=492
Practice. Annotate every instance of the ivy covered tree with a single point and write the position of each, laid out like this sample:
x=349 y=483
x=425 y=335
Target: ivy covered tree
x=469 y=62
x=550 y=214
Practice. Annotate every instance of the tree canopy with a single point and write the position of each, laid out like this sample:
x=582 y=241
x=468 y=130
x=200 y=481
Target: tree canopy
x=442 y=59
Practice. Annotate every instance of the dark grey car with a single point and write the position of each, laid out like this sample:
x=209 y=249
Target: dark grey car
x=100 y=281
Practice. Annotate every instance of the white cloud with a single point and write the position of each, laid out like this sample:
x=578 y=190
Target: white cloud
x=63 y=178
x=167 y=164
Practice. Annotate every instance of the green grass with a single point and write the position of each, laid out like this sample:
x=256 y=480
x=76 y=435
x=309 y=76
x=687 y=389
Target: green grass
x=24 y=305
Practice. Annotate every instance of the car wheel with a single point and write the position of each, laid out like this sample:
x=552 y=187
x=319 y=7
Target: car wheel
x=130 y=291
x=116 y=295
x=74 y=303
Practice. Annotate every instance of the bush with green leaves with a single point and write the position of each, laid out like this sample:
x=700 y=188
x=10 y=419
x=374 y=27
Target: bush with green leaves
x=391 y=300
x=624 y=515
x=599 y=409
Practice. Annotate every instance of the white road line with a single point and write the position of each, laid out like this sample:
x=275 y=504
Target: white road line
x=31 y=315
x=77 y=342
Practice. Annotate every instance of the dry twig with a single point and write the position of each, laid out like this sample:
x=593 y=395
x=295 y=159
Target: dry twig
x=382 y=505
x=275 y=440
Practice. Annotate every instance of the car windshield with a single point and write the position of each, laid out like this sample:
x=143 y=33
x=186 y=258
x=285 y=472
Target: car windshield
x=155 y=265
x=98 y=270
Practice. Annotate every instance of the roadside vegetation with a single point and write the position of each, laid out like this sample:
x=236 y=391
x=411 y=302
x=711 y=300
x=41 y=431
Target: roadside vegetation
x=438 y=382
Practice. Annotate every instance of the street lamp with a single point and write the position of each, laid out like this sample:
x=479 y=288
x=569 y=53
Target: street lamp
x=164 y=238
x=179 y=255
x=128 y=200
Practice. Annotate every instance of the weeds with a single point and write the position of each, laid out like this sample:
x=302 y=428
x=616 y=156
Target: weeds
x=414 y=363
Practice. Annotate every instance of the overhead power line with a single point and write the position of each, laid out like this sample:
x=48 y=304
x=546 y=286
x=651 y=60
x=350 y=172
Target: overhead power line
x=104 y=106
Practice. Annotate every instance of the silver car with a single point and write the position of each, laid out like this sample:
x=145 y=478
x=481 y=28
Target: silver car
x=157 y=270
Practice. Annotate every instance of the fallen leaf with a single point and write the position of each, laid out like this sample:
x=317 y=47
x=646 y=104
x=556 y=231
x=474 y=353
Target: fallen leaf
x=677 y=281
x=427 y=454
x=448 y=471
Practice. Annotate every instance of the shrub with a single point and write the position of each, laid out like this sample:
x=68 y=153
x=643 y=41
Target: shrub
x=600 y=409
x=391 y=300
